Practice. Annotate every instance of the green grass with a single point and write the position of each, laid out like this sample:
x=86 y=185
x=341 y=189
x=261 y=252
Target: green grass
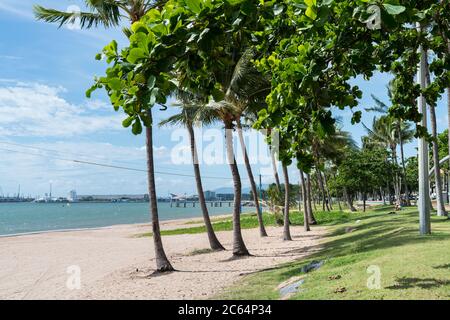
x=412 y=266
x=249 y=221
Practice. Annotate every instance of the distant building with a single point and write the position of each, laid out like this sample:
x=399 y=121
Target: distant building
x=114 y=198
x=72 y=197
x=210 y=195
x=225 y=196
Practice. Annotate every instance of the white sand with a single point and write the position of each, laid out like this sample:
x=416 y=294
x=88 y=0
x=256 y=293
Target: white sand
x=115 y=264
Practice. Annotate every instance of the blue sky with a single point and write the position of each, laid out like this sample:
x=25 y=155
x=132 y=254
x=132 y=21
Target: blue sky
x=44 y=73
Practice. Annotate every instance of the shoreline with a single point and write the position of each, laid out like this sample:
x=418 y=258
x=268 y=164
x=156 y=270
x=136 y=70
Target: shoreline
x=171 y=223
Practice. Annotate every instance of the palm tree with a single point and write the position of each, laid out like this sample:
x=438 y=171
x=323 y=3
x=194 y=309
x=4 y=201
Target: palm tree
x=306 y=207
x=384 y=133
x=311 y=218
x=262 y=229
x=109 y=13
x=333 y=148
x=404 y=132
x=191 y=113
x=437 y=167
x=286 y=229
x=226 y=113
x=247 y=92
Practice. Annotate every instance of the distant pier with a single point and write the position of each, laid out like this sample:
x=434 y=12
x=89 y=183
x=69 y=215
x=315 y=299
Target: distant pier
x=213 y=204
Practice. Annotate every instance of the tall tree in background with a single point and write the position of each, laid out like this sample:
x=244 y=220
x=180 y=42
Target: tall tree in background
x=286 y=229
x=440 y=206
x=109 y=14
x=191 y=113
x=306 y=208
x=384 y=133
x=405 y=133
x=246 y=93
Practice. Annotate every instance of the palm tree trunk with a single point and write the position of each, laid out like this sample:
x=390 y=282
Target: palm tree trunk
x=437 y=167
x=322 y=190
x=330 y=201
x=448 y=113
x=397 y=186
x=262 y=229
x=286 y=230
x=213 y=241
x=312 y=219
x=306 y=214
x=364 y=201
x=402 y=155
x=275 y=171
x=162 y=263
x=239 y=248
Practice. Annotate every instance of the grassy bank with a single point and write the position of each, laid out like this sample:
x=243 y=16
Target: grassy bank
x=249 y=221
x=411 y=266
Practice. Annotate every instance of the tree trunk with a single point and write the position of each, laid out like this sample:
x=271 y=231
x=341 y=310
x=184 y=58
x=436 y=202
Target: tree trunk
x=239 y=248
x=306 y=214
x=349 y=200
x=162 y=263
x=322 y=190
x=364 y=201
x=312 y=219
x=437 y=167
x=286 y=230
x=275 y=171
x=448 y=114
x=339 y=203
x=262 y=229
x=213 y=241
x=330 y=201
x=383 y=195
x=397 y=186
x=402 y=155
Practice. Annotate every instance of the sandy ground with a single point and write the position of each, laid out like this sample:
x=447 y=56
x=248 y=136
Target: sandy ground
x=114 y=264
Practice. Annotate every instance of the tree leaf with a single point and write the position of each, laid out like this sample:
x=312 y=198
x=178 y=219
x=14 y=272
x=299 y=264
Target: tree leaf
x=135 y=54
x=194 y=5
x=137 y=127
x=393 y=9
x=127 y=122
x=311 y=13
x=151 y=82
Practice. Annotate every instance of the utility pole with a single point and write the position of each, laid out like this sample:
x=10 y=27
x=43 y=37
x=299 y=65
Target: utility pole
x=424 y=186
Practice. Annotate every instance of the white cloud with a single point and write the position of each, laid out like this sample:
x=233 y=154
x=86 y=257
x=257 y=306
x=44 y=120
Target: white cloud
x=20 y=10
x=29 y=109
x=6 y=57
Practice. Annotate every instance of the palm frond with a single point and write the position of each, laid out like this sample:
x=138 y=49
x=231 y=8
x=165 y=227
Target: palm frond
x=87 y=19
x=380 y=106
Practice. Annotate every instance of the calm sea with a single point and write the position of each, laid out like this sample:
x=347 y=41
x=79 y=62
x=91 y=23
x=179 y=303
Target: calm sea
x=17 y=218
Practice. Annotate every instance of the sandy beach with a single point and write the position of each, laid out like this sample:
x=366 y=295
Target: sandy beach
x=115 y=264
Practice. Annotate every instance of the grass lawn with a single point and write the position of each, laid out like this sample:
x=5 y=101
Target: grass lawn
x=411 y=266
x=250 y=220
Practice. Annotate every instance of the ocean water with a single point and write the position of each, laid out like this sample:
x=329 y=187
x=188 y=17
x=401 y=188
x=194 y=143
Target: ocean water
x=18 y=218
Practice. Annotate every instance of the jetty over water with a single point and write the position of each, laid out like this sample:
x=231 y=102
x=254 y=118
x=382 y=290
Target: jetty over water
x=215 y=203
